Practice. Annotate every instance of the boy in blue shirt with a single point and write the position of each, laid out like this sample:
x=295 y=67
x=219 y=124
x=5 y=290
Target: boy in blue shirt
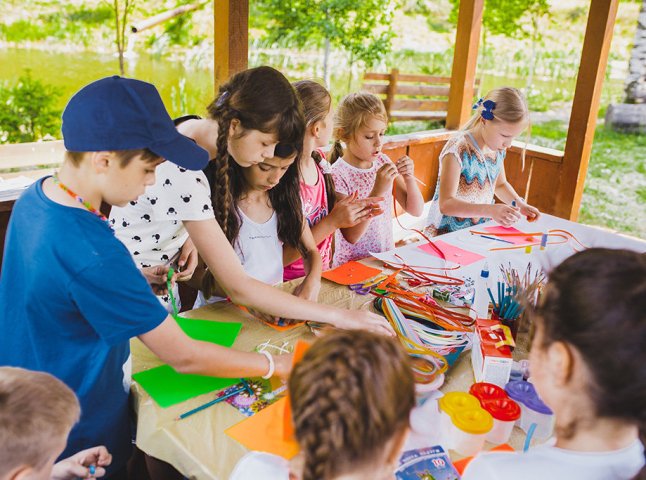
x=70 y=295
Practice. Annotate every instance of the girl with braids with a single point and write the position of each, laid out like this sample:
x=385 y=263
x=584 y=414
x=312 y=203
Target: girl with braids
x=472 y=169
x=324 y=214
x=361 y=122
x=590 y=331
x=254 y=110
x=265 y=215
x=351 y=397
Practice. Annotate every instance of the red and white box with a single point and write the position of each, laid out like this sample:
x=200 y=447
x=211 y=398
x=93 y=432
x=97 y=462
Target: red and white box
x=491 y=356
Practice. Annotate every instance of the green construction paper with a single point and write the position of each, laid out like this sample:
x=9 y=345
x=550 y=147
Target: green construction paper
x=167 y=387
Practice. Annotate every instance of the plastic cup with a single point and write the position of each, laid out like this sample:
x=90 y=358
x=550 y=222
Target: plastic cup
x=471 y=427
x=484 y=392
x=505 y=412
x=535 y=411
x=449 y=404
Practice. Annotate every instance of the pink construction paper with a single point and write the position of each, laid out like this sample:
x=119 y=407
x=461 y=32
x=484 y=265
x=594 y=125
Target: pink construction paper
x=452 y=253
x=515 y=240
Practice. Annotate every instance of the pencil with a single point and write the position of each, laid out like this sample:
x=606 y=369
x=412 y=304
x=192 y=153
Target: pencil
x=494 y=238
x=216 y=400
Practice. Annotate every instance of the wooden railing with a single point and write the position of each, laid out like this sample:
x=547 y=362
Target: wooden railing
x=539 y=181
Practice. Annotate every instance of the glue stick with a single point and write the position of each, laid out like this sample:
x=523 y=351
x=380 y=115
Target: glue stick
x=480 y=307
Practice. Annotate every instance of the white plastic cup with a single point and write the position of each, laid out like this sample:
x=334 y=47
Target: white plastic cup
x=470 y=429
x=505 y=412
x=535 y=411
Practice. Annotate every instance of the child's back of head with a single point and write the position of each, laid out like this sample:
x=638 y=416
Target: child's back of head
x=595 y=302
x=351 y=396
x=37 y=412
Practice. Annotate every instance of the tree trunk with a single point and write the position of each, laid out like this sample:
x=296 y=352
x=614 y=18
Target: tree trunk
x=636 y=79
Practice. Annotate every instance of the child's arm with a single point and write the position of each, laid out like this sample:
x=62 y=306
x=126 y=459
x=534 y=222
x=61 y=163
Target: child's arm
x=311 y=284
x=407 y=192
x=223 y=262
x=453 y=206
x=348 y=211
x=78 y=465
x=506 y=193
x=383 y=186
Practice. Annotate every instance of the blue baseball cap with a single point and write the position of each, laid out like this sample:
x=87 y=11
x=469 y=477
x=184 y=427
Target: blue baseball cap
x=117 y=113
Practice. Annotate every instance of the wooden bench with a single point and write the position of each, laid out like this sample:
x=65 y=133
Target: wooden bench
x=411 y=96
x=34 y=160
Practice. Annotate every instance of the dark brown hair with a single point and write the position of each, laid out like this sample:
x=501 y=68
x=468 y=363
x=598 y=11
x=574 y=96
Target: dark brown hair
x=285 y=200
x=351 y=394
x=261 y=99
x=124 y=156
x=37 y=412
x=595 y=301
x=317 y=102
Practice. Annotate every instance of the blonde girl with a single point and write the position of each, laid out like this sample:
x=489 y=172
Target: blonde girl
x=472 y=169
x=323 y=212
x=351 y=397
x=365 y=171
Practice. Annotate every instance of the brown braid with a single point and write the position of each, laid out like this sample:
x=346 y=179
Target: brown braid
x=260 y=99
x=337 y=151
x=351 y=394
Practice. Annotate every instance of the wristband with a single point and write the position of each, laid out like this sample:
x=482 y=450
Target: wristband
x=272 y=366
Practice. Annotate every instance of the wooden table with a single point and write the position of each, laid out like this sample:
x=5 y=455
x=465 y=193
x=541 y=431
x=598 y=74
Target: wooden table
x=198 y=447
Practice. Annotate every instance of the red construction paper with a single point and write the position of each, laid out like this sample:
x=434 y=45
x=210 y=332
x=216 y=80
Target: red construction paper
x=452 y=253
x=519 y=240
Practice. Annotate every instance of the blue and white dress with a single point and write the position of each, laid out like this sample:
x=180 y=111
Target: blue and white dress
x=478 y=175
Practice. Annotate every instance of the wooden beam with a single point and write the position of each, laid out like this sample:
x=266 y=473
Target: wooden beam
x=467 y=40
x=231 y=39
x=585 y=106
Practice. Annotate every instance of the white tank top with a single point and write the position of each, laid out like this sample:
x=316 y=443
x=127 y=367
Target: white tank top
x=260 y=252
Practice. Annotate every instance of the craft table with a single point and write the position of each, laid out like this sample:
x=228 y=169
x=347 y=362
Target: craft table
x=198 y=447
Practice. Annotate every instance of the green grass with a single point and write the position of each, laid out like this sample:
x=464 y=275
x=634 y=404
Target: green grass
x=615 y=187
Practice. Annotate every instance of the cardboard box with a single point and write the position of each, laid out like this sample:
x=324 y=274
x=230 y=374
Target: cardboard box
x=490 y=357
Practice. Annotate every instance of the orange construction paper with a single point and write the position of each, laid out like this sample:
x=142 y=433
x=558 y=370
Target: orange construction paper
x=288 y=425
x=351 y=273
x=264 y=431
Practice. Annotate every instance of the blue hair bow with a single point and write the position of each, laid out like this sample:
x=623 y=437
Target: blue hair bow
x=487 y=109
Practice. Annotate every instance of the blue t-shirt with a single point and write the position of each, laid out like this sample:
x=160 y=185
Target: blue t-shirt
x=70 y=300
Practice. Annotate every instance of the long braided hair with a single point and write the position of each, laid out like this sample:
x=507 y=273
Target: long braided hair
x=351 y=394
x=317 y=102
x=353 y=112
x=261 y=99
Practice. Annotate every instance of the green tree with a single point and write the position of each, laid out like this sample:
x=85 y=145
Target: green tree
x=27 y=110
x=362 y=29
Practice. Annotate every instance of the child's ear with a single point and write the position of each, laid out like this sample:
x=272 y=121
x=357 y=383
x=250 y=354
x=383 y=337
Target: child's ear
x=561 y=362
x=315 y=129
x=234 y=126
x=101 y=161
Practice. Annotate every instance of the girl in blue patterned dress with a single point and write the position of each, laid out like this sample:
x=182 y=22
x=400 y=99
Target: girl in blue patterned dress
x=472 y=168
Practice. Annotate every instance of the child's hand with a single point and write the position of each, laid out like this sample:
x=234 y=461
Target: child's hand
x=283 y=365
x=505 y=215
x=308 y=289
x=157 y=276
x=187 y=262
x=88 y=464
x=532 y=213
x=384 y=181
x=350 y=211
x=362 y=320
x=405 y=166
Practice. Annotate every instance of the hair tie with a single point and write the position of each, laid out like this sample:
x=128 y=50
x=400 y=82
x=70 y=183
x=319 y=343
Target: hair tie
x=487 y=109
x=477 y=104
x=222 y=99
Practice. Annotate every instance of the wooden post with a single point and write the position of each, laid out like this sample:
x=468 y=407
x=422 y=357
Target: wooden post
x=585 y=106
x=231 y=39
x=467 y=40
x=392 y=91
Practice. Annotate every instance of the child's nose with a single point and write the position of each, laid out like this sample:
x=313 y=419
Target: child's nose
x=268 y=152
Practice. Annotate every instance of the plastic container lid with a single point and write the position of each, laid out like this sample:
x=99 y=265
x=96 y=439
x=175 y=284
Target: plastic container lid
x=475 y=421
x=453 y=401
x=520 y=390
x=484 y=391
x=503 y=409
x=536 y=404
